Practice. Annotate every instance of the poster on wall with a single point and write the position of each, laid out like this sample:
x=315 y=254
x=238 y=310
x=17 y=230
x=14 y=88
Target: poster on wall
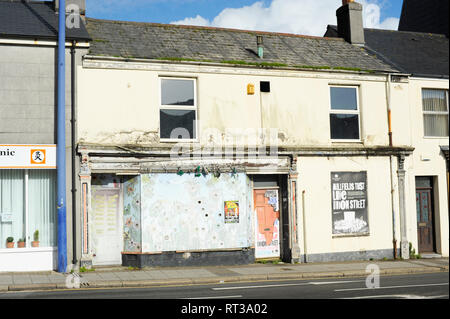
x=349 y=203
x=231 y=212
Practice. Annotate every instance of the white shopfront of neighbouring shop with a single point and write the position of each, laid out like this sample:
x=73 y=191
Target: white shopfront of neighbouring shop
x=27 y=205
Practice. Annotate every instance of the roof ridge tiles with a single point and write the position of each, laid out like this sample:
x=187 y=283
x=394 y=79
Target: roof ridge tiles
x=215 y=29
x=397 y=31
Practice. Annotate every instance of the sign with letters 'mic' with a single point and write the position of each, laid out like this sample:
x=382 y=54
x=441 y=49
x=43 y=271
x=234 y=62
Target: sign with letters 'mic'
x=349 y=203
x=27 y=156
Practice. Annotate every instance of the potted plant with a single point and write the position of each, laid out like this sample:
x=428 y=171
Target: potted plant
x=10 y=242
x=35 y=243
x=21 y=243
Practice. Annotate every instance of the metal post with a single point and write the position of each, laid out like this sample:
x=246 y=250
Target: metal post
x=61 y=141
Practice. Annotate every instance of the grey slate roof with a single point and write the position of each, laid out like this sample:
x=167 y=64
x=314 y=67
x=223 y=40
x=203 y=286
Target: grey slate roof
x=429 y=16
x=174 y=42
x=34 y=19
x=416 y=53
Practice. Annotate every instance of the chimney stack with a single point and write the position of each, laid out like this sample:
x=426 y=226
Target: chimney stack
x=350 y=22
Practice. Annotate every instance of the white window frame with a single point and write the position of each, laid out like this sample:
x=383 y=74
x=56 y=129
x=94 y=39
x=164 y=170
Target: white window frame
x=178 y=107
x=357 y=112
x=433 y=112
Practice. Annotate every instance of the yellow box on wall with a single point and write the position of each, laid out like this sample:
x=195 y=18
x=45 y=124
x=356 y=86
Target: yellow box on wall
x=250 y=89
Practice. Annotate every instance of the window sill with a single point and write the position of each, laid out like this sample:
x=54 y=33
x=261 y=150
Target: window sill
x=347 y=141
x=27 y=249
x=350 y=235
x=168 y=140
x=435 y=137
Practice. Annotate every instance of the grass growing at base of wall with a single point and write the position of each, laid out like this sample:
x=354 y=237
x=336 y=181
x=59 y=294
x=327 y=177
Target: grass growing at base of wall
x=268 y=261
x=259 y=64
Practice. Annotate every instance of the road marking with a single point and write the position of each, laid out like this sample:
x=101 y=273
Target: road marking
x=399 y=296
x=215 y=297
x=392 y=287
x=334 y=282
x=286 y=285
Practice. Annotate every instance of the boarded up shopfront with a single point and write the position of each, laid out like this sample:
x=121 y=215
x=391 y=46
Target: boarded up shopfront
x=185 y=220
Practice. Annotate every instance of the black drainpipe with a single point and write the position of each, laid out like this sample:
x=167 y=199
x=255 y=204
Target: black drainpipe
x=74 y=185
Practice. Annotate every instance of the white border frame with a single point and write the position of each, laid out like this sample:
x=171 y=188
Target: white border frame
x=178 y=107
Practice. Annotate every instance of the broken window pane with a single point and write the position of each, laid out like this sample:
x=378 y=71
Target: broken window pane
x=177 y=124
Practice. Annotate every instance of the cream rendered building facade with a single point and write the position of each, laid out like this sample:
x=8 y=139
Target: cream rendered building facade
x=427 y=161
x=418 y=108
x=126 y=96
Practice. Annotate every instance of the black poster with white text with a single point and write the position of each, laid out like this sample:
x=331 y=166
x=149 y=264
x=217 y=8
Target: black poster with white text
x=349 y=203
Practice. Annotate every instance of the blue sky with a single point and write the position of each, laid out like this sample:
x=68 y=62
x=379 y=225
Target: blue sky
x=292 y=16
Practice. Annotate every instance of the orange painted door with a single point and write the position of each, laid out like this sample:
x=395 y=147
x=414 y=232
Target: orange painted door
x=267 y=222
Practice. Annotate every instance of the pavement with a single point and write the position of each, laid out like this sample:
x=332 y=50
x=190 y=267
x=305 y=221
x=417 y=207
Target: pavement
x=116 y=277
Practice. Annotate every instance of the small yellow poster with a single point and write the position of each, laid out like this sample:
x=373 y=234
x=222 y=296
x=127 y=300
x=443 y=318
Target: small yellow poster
x=231 y=211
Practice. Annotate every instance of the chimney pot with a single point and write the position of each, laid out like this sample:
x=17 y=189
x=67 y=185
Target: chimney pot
x=344 y=2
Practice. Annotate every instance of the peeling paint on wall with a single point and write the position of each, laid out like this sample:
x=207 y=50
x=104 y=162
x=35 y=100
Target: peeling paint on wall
x=122 y=137
x=187 y=212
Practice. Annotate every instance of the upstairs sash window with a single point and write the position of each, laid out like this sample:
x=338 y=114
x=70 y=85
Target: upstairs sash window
x=344 y=113
x=435 y=112
x=178 y=110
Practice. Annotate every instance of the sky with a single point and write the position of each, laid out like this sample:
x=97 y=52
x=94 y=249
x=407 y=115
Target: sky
x=307 y=17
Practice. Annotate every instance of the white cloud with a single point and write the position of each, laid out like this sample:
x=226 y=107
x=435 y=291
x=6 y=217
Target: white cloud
x=372 y=17
x=308 y=17
x=198 y=20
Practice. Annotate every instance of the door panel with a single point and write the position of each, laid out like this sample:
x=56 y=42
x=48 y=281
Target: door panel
x=425 y=231
x=267 y=223
x=107 y=235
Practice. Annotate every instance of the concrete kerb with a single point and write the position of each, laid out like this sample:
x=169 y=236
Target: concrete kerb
x=296 y=275
x=105 y=284
x=310 y=275
x=398 y=271
x=156 y=283
x=355 y=273
x=31 y=287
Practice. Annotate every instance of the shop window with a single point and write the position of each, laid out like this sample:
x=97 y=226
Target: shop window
x=344 y=113
x=178 y=110
x=435 y=112
x=27 y=204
